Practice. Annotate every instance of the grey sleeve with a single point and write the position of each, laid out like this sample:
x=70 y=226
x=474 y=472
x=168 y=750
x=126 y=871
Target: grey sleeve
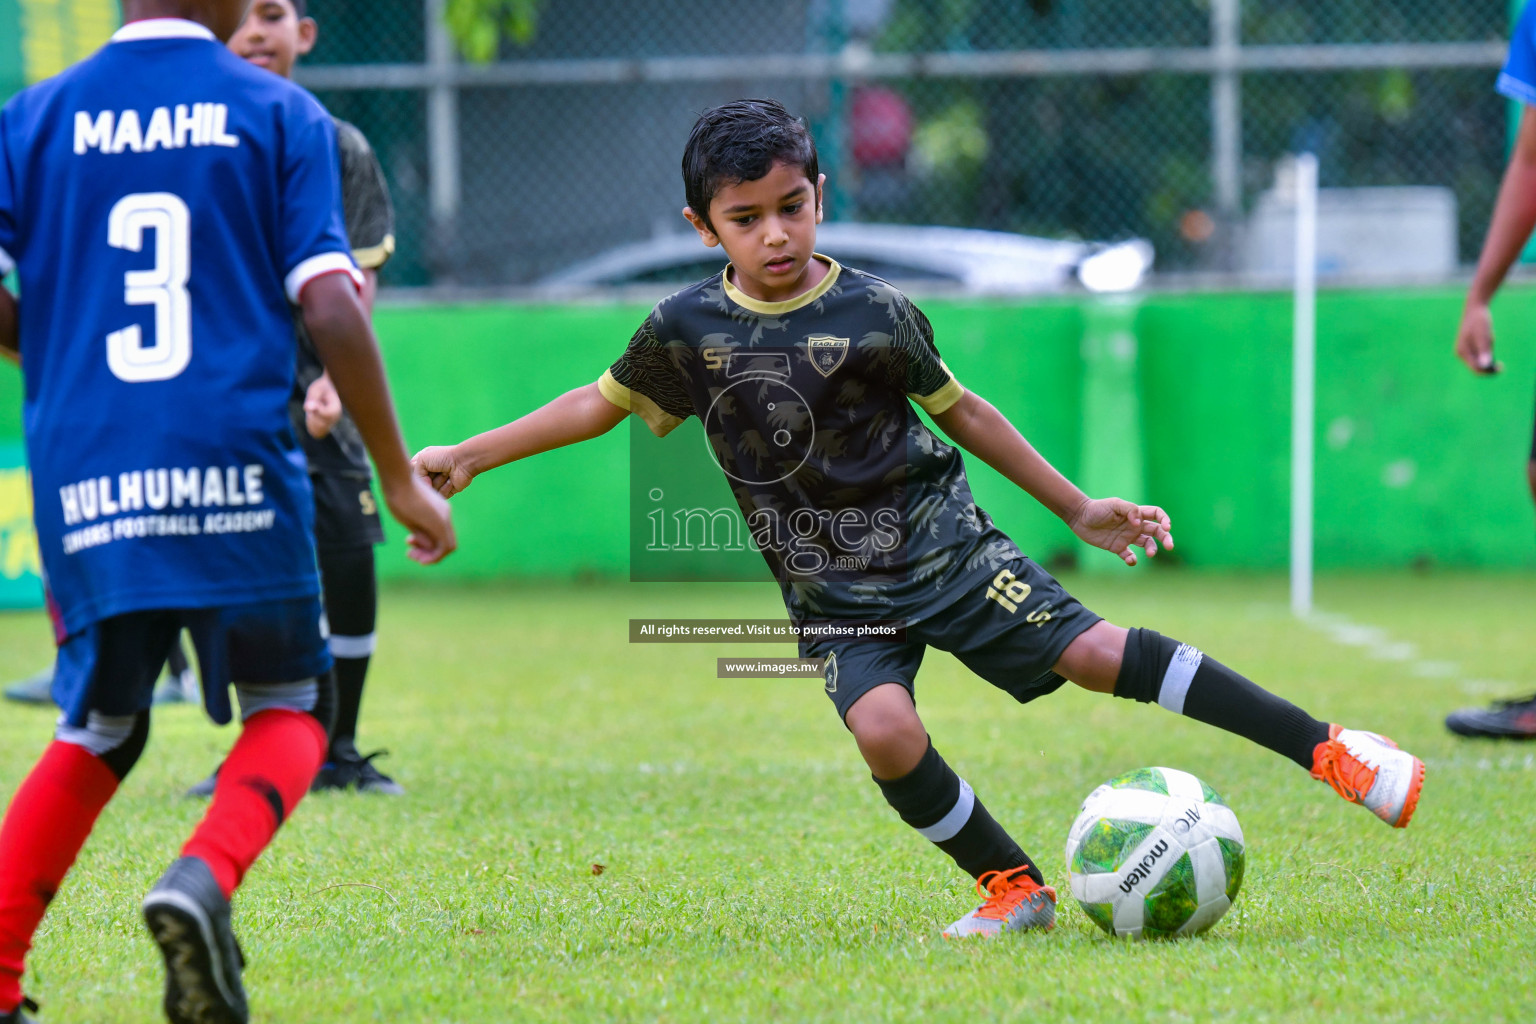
x=370 y=215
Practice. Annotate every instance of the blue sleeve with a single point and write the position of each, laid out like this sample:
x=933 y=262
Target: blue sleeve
x=1518 y=79
x=314 y=231
x=7 y=199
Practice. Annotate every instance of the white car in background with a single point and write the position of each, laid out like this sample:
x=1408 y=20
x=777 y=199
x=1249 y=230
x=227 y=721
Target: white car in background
x=947 y=259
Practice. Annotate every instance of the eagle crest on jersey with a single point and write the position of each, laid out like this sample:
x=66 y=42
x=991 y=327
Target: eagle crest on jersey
x=827 y=352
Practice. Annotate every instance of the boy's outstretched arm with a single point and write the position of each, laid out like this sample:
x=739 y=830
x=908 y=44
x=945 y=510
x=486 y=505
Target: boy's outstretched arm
x=338 y=325
x=1110 y=523
x=578 y=415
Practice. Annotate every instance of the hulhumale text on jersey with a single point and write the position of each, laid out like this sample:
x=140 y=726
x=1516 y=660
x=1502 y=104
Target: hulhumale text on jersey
x=163 y=492
x=158 y=489
x=110 y=131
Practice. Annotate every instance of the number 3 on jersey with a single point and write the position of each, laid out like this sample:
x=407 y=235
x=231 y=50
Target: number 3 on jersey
x=163 y=286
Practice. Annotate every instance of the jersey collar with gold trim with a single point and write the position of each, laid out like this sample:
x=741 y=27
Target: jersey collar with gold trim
x=746 y=301
x=162 y=28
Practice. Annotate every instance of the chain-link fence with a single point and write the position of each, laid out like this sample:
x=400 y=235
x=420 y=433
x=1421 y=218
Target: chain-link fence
x=1098 y=119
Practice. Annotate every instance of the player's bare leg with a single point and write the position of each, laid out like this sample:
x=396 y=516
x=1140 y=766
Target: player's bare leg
x=1146 y=666
x=931 y=798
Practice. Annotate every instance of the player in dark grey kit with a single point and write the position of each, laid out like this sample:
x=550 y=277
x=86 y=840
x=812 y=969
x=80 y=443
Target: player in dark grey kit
x=347 y=524
x=805 y=375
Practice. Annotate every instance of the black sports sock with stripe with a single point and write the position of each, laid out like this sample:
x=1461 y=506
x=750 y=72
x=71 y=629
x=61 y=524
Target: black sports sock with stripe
x=1184 y=680
x=349 y=579
x=943 y=808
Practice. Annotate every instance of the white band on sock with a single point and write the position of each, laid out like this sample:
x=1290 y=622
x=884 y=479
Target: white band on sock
x=300 y=696
x=102 y=733
x=1181 y=672
x=352 y=646
x=950 y=825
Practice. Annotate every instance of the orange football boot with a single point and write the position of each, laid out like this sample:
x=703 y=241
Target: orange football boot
x=1368 y=769
x=1014 y=901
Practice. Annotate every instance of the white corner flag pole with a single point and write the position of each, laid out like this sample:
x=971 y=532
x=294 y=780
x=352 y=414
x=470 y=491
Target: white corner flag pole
x=1303 y=384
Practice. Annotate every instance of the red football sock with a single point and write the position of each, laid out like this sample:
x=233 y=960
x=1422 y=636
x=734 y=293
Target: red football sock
x=47 y=824
x=260 y=783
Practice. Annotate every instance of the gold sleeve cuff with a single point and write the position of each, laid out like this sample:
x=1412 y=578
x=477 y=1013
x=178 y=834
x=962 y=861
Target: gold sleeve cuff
x=375 y=256
x=942 y=399
x=661 y=423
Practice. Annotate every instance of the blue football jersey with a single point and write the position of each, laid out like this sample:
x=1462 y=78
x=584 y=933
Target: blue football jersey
x=164 y=202
x=1518 y=79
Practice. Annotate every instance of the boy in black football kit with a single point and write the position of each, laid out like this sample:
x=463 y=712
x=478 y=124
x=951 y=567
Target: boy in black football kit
x=347 y=524
x=804 y=374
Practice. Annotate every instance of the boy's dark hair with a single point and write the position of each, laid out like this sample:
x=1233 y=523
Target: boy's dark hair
x=301 y=8
x=741 y=141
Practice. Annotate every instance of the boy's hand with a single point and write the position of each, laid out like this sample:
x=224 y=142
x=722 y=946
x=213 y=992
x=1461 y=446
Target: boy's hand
x=426 y=515
x=1115 y=524
x=322 y=407
x=1474 y=340
x=443 y=468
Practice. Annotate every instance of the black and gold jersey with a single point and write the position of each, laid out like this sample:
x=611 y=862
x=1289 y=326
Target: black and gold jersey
x=370 y=220
x=860 y=510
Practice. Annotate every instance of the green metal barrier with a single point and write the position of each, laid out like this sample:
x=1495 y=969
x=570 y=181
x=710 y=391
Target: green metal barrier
x=1418 y=461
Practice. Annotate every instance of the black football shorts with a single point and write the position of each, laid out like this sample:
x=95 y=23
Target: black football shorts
x=346 y=512
x=1011 y=630
x=111 y=665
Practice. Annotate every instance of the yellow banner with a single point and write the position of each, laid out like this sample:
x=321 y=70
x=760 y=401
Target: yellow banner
x=57 y=33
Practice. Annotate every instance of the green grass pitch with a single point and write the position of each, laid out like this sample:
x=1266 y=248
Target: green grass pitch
x=751 y=871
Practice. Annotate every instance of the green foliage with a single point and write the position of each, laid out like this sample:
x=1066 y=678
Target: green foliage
x=478 y=26
x=953 y=142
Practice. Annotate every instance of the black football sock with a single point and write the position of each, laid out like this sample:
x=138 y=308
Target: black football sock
x=351 y=608
x=940 y=805
x=1187 y=682
x=350 y=676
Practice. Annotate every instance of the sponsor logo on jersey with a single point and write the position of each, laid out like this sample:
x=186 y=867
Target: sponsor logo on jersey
x=827 y=353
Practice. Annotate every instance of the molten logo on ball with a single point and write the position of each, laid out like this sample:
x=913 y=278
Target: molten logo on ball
x=1155 y=852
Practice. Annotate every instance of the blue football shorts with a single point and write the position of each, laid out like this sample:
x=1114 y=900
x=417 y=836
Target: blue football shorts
x=111 y=666
x=1010 y=630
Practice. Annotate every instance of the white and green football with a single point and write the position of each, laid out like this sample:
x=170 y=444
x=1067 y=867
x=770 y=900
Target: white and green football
x=1155 y=853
